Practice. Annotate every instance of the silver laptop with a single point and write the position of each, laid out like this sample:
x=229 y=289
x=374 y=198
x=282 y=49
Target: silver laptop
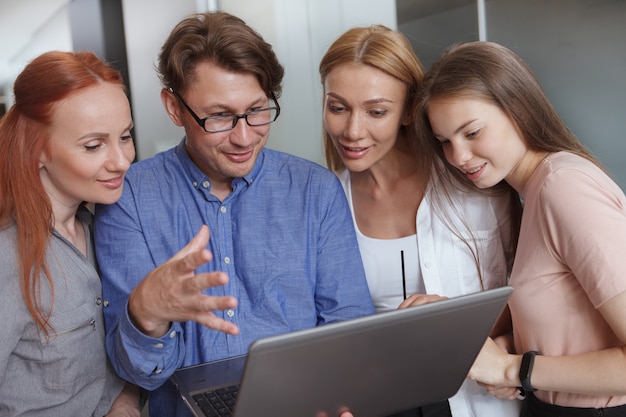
x=374 y=366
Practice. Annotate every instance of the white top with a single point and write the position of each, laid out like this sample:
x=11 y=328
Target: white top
x=392 y=268
x=442 y=264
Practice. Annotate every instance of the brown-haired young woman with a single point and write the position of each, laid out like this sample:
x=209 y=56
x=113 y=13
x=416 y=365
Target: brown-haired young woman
x=489 y=119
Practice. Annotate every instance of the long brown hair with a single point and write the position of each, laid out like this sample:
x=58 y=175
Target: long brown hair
x=492 y=72
x=48 y=79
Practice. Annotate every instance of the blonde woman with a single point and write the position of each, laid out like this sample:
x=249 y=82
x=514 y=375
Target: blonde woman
x=422 y=236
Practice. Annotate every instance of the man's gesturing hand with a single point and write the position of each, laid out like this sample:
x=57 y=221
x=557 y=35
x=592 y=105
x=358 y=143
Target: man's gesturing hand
x=173 y=292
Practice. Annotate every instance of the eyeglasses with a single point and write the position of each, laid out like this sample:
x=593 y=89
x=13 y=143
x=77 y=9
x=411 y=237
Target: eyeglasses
x=214 y=124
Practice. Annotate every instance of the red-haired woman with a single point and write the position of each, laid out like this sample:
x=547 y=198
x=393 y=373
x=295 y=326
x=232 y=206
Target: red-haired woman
x=64 y=143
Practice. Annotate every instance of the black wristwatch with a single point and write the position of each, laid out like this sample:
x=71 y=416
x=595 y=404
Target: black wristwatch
x=526 y=370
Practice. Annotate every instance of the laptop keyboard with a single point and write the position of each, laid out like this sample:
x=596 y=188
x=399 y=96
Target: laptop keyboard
x=218 y=403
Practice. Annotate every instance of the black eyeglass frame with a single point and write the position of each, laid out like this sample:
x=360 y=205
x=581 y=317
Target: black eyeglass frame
x=235 y=117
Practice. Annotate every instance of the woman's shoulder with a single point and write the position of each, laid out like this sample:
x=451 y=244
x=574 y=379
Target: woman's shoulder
x=568 y=164
x=570 y=190
x=564 y=174
x=567 y=160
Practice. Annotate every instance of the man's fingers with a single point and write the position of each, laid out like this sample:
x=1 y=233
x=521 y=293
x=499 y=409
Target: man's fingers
x=200 y=240
x=174 y=292
x=211 y=321
x=201 y=282
x=198 y=243
x=208 y=303
x=186 y=265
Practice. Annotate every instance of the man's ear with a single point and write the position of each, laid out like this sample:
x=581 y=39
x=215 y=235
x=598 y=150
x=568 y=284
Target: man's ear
x=172 y=106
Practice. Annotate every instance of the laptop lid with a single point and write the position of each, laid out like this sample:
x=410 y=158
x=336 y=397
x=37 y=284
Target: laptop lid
x=375 y=365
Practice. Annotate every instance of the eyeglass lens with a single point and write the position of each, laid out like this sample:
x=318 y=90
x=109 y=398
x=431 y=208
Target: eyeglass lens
x=254 y=118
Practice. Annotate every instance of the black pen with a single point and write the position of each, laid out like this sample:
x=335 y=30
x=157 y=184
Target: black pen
x=403 y=275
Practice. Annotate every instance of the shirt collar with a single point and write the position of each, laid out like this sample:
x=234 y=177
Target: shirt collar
x=201 y=181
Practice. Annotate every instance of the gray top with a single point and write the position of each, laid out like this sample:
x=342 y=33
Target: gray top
x=65 y=373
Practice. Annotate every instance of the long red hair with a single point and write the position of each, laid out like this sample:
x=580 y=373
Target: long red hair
x=48 y=79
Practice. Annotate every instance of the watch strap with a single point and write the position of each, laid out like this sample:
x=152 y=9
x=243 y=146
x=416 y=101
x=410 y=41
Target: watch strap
x=526 y=370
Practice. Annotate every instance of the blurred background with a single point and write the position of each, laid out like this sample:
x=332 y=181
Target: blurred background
x=576 y=48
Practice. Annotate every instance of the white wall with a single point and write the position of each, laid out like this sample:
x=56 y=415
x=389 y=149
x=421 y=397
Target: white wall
x=147 y=23
x=53 y=34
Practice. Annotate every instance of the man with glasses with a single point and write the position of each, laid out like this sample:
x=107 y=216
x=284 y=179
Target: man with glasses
x=282 y=255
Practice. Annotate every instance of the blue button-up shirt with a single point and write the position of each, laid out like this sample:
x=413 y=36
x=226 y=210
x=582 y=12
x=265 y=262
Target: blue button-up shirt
x=285 y=237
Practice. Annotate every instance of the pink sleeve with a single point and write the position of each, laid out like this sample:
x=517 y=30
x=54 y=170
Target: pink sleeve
x=585 y=221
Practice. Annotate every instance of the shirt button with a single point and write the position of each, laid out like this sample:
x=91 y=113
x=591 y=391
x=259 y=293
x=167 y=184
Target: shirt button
x=230 y=313
x=206 y=184
x=106 y=303
x=158 y=371
x=227 y=260
x=158 y=345
x=223 y=209
x=98 y=301
x=172 y=334
x=195 y=184
x=428 y=264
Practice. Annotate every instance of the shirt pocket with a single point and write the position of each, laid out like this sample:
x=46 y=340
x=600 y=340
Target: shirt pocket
x=487 y=245
x=73 y=353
